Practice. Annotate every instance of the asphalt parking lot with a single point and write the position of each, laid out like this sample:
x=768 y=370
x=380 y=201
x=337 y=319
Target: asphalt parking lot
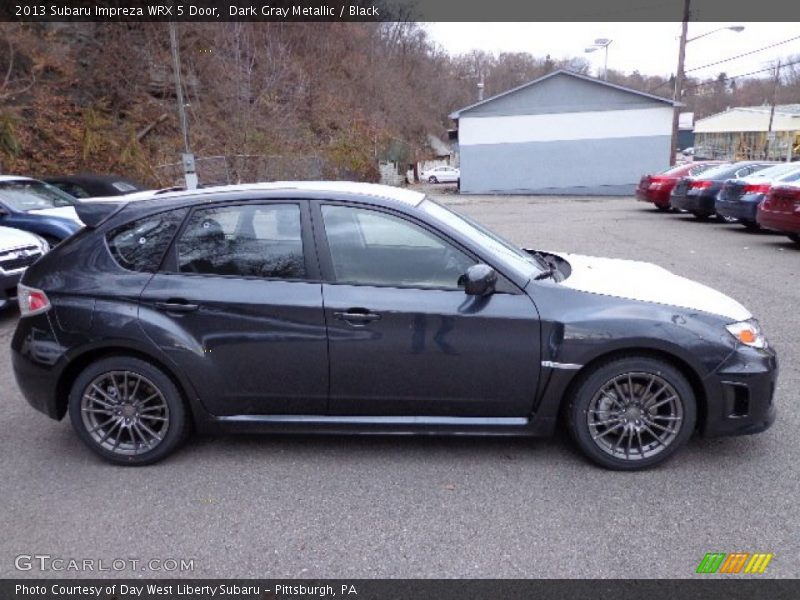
x=439 y=507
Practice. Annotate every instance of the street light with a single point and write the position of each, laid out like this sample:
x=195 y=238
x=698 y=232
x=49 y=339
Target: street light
x=736 y=28
x=601 y=43
x=679 y=75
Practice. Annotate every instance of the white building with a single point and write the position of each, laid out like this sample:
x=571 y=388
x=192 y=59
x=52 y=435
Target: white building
x=563 y=133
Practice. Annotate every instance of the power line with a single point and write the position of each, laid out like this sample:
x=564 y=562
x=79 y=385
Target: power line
x=724 y=60
x=697 y=85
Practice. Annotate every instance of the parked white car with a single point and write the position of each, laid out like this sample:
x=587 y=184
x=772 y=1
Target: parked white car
x=18 y=250
x=440 y=174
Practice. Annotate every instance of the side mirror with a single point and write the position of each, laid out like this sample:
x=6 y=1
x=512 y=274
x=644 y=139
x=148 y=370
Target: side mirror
x=480 y=280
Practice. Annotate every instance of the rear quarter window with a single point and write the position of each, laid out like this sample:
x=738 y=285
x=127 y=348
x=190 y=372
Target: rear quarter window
x=140 y=245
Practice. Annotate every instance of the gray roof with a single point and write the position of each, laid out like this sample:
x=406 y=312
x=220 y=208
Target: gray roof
x=457 y=114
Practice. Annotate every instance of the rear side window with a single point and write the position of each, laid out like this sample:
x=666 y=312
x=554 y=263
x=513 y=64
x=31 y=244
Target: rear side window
x=140 y=245
x=251 y=240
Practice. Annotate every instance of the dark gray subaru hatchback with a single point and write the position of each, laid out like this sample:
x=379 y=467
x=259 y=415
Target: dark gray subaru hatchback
x=356 y=308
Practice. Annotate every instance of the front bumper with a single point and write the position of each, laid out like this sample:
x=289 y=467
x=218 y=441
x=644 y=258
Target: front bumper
x=740 y=398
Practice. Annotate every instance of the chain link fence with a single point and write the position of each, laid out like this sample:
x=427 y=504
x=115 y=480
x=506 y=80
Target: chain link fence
x=249 y=168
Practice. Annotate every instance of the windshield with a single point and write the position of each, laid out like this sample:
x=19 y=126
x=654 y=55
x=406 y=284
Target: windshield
x=510 y=255
x=25 y=195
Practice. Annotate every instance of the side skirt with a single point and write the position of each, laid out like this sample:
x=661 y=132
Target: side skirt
x=379 y=425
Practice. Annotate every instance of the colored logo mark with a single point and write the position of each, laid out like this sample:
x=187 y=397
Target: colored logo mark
x=736 y=562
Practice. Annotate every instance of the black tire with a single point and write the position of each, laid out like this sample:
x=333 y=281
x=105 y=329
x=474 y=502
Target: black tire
x=751 y=225
x=589 y=396
x=795 y=237
x=701 y=216
x=168 y=418
x=432 y=179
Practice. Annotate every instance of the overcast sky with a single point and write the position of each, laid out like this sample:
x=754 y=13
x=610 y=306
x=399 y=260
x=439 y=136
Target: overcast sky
x=650 y=48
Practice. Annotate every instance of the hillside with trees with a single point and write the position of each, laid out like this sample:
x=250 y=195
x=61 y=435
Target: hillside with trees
x=321 y=99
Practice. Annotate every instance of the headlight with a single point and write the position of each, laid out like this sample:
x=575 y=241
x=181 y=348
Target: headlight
x=43 y=245
x=748 y=333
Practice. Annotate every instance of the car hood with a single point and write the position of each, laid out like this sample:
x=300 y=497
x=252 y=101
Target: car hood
x=14 y=238
x=635 y=280
x=64 y=212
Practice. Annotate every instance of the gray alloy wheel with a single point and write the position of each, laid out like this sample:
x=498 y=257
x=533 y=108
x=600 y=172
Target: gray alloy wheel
x=432 y=179
x=632 y=413
x=127 y=411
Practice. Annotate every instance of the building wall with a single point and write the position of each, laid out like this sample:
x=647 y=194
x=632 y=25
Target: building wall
x=598 y=152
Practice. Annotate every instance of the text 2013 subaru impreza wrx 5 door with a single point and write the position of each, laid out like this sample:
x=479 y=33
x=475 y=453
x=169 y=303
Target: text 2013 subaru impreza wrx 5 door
x=355 y=308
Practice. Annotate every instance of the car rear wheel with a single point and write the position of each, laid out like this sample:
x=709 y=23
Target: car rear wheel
x=632 y=413
x=128 y=411
x=751 y=225
x=432 y=179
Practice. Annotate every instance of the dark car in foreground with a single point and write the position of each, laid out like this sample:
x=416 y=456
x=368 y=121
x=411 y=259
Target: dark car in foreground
x=656 y=188
x=93 y=186
x=698 y=195
x=780 y=211
x=37 y=207
x=355 y=308
x=739 y=198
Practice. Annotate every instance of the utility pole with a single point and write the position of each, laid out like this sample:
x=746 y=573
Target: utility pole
x=187 y=158
x=678 y=92
x=772 y=108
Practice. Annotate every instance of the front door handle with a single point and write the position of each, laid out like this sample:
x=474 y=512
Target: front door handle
x=176 y=306
x=357 y=316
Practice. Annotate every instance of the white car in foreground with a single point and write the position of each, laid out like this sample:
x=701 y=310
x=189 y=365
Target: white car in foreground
x=18 y=250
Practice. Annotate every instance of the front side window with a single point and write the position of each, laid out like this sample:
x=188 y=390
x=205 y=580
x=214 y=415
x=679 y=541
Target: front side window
x=140 y=245
x=248 y=240
x=374 y=248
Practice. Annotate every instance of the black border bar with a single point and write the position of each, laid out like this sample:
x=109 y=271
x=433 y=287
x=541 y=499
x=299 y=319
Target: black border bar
x=397 y=10
x=699 y=588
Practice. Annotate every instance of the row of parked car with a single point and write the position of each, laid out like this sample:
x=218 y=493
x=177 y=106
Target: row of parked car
x=37 y=214
x=755 y=194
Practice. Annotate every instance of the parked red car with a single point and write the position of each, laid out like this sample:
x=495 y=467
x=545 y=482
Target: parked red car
x=656 y=188
x=780 y=210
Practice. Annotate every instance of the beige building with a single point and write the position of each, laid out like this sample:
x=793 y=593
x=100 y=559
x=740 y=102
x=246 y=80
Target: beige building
x=744 y=133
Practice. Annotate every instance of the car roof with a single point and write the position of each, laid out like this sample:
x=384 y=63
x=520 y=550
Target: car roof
x=384 y=192
x=88 y=177
x=94 y=213
x=16 y=178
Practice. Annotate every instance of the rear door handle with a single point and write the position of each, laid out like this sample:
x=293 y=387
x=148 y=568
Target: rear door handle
x=176 y=306
x=359 y=316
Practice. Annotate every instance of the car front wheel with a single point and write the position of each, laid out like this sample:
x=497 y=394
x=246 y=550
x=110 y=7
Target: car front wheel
x=632 y=413
x=432 y=179
x=127 y=411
